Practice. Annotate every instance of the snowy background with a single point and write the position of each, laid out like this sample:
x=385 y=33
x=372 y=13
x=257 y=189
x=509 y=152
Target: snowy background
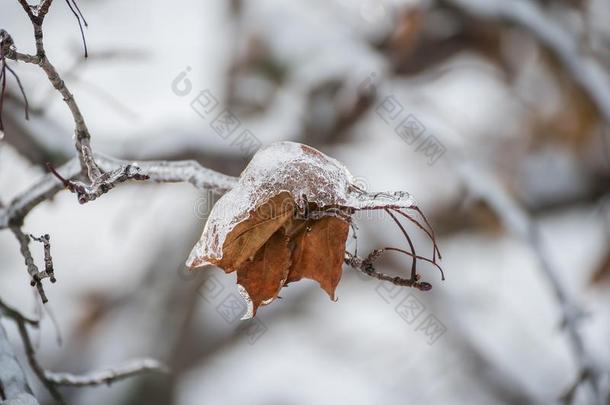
x=488 y=90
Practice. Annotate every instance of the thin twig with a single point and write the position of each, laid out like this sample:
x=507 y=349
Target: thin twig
x=81 y=20
x=109 y=376
x=48 y=260
x=35 y=275
x=409 y=241
x=157 y=171
x=81 y=131
x=422 y=258
x=365 y=265
x=429 y=230
x=102 y=183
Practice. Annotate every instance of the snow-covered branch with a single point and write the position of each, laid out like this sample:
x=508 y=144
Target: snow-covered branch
x=107 y=377
x=157 y=171
x=88 y=175
x=14 y=387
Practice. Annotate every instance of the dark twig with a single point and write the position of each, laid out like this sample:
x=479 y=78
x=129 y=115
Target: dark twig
x=6 y=45
x=366 y=266
x=409 y=241
x=430 y=230
x=424 y=259
x=21 y=90
x=81 y=20
x=2 y=91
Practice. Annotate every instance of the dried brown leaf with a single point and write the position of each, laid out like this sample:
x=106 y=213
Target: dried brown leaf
x=288 y=218
x=264 y=276
x=318 y=253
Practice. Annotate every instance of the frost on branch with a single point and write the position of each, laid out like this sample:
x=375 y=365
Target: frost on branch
x=288 y=218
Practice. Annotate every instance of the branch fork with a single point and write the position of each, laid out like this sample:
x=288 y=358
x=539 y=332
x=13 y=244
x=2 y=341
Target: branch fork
x=102 y=182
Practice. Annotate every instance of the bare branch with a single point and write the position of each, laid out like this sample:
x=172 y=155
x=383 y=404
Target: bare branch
x=102 y=183
x=175 y=172
x=489 y=189
x=44 y=8
x=115 y=171
x=22 y=57
x=28 y=10
x=107 y=377
x=118 y=171
x=157 y=171
x=81 y=131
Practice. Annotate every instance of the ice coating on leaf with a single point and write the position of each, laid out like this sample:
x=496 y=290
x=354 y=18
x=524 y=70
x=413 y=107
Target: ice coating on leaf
x=306 y=173
x=249 y=304
x=285 y=166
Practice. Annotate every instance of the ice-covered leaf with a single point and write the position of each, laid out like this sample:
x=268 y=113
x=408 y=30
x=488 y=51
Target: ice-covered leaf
x=248 y=236
x=288 y=218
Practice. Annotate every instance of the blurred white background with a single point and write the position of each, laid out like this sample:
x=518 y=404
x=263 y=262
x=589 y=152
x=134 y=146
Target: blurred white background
x=492 y=93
